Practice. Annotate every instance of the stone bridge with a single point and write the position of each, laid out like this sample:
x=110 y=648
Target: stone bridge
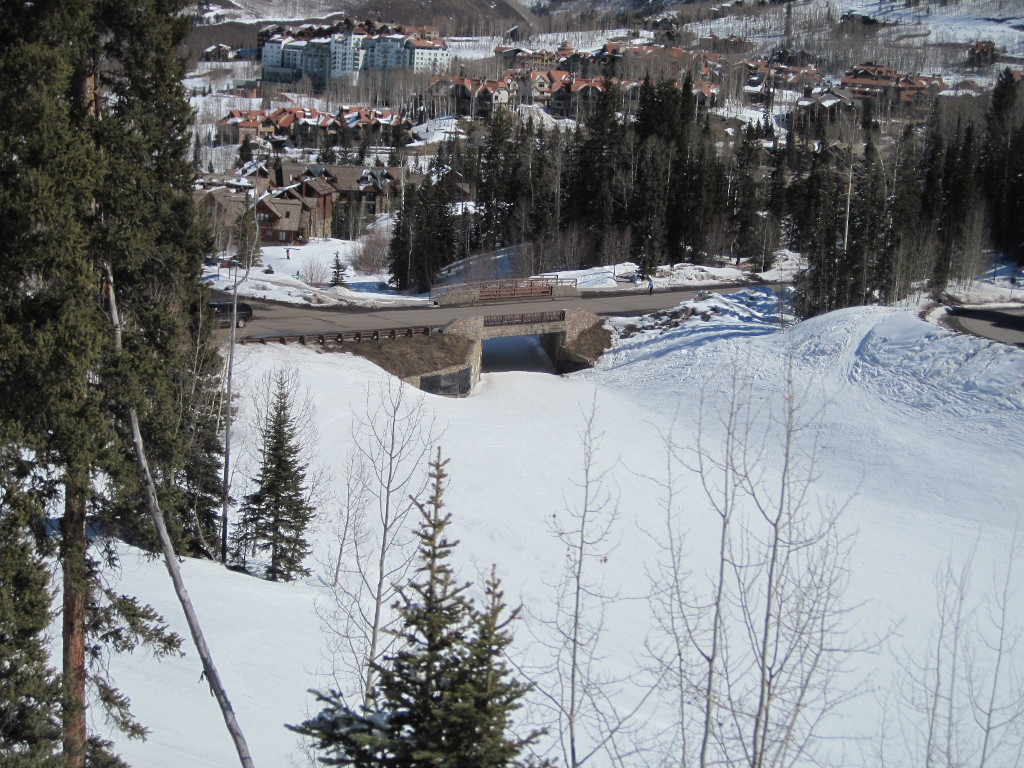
x=558 y=331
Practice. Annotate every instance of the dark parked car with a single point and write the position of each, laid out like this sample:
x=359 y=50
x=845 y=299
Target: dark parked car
x=222 y=313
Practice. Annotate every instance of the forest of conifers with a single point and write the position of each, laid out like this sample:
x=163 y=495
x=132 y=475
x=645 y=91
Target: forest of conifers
x=880 y=210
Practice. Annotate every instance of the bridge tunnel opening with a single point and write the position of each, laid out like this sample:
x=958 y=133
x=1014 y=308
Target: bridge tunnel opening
x=516 y=353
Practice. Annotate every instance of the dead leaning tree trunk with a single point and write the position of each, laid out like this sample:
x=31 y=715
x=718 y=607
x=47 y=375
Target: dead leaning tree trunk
x=171 y=561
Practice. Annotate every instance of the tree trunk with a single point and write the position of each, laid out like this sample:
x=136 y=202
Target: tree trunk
x=171 y=562
x=75 y=575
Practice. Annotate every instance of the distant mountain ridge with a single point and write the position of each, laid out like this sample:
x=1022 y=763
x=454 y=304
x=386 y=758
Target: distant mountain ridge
x=451 y=16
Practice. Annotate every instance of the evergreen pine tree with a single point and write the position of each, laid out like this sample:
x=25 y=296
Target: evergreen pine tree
x=494 y=190
x=817 y=289
x=274 y=517
x=867 y=230
x=487 y=694
x=444 y=697
x=338 y=271
x=105 y=78
x=245 y=152
x=650 y=204
x=933 y=162
x=433 y=234
x=400 y=253
x=30 y=730
x=327 y=155
x=670 y=123
x=699 y=191
x=193 y=502
x=746 y=199
x=778 y=189
x=960 y=201
x=1014 y=232
x=596 y=167
x=546 y=187
x=1004 y=118
x=647 y=119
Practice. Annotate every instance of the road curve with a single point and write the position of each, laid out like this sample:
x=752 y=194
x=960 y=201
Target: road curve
x=274 y=319
x=1005 y=325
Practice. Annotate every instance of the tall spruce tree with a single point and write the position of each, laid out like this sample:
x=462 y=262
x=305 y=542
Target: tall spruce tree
x=245 y=152
x=339 y=271
x=30 y=731
x=960 y=201
x=818 y=287
x=274 y=517
x=868 y=218
x=933 y=165
x=400 y=252
x=1004 y=118
x=105 y=81
x=495 y=188
x=444 y=698
x=594 y=200
x=650 y=202
x=746 y=194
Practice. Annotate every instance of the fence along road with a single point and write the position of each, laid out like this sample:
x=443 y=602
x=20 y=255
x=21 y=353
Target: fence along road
x=274 y=319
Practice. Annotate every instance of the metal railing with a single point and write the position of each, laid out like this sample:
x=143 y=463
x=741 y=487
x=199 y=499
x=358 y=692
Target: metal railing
x=340 y=337
x=509 y=288
x=529 y=318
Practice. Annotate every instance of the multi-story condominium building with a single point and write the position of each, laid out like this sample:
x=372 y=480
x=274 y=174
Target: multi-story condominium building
x=347 y=52
x=286 y=59
x=427 y=55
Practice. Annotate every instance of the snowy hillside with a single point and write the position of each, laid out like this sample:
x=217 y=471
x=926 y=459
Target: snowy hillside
x=919 y=436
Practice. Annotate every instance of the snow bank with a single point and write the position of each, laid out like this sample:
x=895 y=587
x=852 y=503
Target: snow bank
x=919 y=436
x=291 y=264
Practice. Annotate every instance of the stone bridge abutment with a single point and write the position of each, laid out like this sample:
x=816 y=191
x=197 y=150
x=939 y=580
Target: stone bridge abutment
x=558 y=331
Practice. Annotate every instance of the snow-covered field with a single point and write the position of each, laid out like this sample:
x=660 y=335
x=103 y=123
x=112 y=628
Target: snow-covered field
x=302 y=273
x=919 y=434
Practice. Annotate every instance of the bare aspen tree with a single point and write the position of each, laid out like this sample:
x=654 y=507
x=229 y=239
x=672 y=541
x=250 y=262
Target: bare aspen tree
x=748 y=645
x=579 y=696
x=995 y=687
x=675 y=607
x=963 y=695
x=789 y=567
x=931 y=693
x=339 y=608
x=348 y=526
x=691 y=617
x=392 y=438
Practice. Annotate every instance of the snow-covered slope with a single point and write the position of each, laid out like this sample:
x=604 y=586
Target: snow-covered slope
x=920 y=430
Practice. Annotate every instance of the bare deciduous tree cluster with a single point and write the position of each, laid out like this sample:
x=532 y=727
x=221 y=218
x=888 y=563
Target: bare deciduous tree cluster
x=749 y=661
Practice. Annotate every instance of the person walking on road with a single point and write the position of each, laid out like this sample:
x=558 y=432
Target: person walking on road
x=650 y=286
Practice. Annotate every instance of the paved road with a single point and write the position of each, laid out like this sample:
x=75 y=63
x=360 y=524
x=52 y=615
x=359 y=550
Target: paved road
x=1005 y=325
x=272 y=319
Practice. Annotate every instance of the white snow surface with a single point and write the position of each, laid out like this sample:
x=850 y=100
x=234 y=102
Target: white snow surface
x=920 y=435
x=294 y=268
